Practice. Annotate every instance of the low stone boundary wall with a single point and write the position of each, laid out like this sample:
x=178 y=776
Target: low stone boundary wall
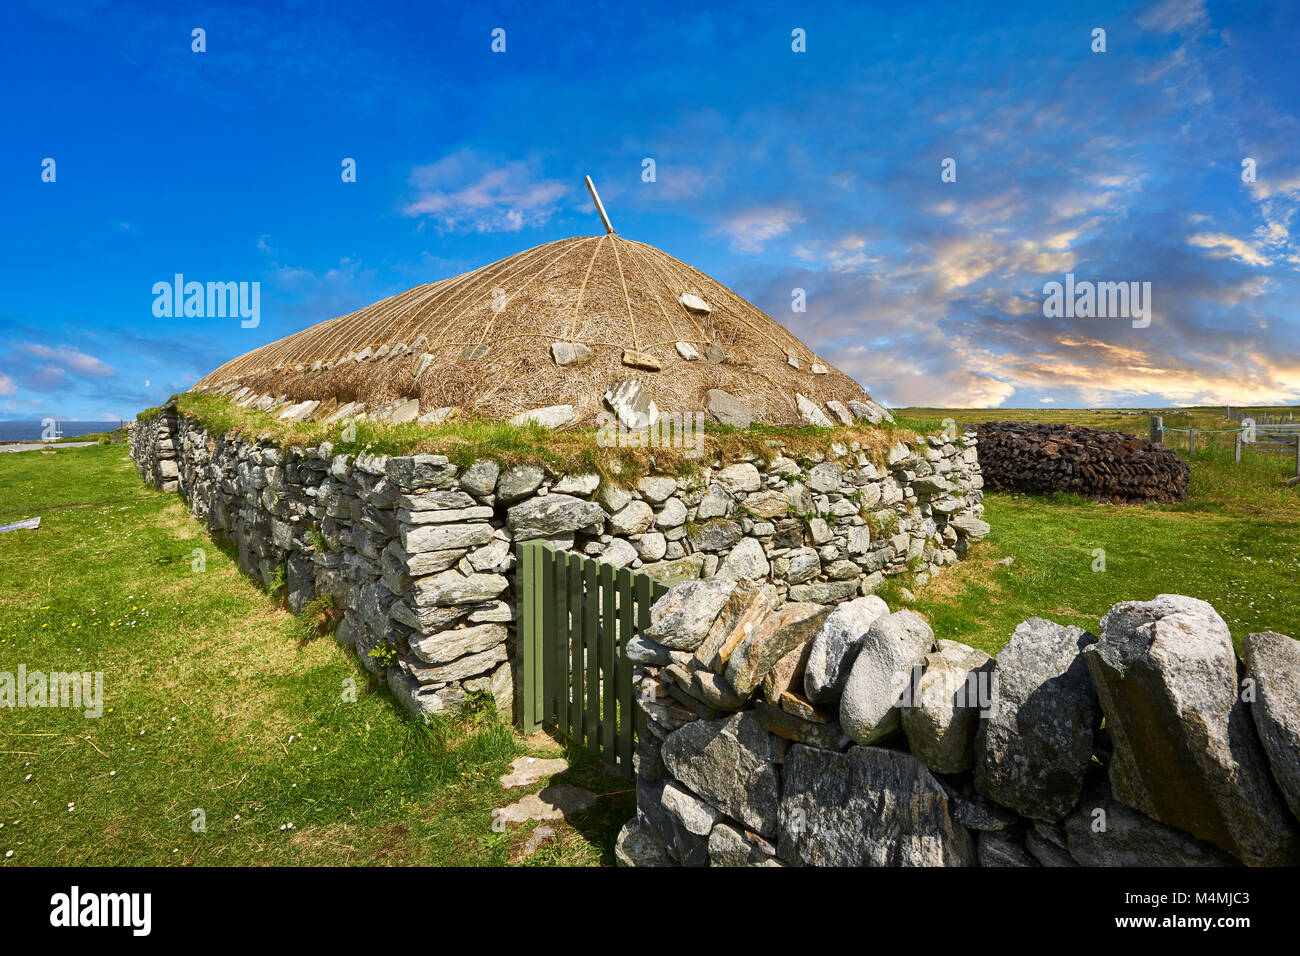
x=1109 y=466
x=852 y=737
x=418 y=554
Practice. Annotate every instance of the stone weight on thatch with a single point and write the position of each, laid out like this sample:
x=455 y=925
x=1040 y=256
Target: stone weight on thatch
x=552 y=416
x=632 y=404
x=728 y=409
x=569 y=353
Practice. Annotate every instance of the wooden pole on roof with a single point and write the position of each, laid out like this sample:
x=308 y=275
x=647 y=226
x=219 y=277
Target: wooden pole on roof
x=600 y=207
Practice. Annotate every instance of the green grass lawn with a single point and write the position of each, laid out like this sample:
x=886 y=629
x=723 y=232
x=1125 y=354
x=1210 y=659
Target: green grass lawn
x=1235 y=543
x=211 y=704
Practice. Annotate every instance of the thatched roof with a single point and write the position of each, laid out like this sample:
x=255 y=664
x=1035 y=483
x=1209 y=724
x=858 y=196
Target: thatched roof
x=491 y=342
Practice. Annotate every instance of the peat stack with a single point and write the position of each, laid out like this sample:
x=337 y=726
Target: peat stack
x=1107 y=466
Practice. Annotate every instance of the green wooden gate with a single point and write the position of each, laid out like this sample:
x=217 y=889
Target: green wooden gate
x=575 y=616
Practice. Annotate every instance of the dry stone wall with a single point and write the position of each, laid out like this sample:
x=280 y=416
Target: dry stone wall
x=812 y=736
x=418 y=554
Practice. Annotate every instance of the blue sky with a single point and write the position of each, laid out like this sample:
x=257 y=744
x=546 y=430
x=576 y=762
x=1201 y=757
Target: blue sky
x=775 y=170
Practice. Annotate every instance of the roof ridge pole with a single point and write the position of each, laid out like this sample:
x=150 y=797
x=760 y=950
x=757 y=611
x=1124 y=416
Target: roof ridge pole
x=600 y=207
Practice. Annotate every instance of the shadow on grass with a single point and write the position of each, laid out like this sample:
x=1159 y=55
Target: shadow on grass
x=616 y=803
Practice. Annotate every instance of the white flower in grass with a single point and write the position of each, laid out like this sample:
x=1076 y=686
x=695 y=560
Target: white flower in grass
x=8 y=854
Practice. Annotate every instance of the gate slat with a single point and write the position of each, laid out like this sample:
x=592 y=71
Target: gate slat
x=643 y=602
x=590 y=622
x=608 y=634
x=539 y=636
x=560 y=642
x=546 y=623
x=626 y=706
x=528 y=593
x=577 y=611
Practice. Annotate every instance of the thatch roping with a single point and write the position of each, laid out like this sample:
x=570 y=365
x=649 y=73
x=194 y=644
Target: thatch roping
x=559 y=324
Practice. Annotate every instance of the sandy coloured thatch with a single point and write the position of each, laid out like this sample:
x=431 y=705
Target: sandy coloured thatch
x=482 y=342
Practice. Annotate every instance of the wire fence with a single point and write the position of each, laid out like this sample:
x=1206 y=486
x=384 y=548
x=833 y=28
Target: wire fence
x=1271 y=435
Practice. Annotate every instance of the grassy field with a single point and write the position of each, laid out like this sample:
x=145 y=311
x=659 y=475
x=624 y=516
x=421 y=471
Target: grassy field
x=211 y=703
x=1235 y=542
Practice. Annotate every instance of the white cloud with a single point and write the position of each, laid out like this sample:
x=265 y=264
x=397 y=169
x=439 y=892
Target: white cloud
x=1175 y=16
x=68 y=358
x=900 y=383
x=1223 y=246
x=847 y=253
x=1265 y=187
x=961 y=262
x=312 y=296
x=751 y=229
x=465 y=192
x=674 y=182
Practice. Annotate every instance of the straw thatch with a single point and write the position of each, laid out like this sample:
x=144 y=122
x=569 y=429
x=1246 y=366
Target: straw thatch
x=482 y=342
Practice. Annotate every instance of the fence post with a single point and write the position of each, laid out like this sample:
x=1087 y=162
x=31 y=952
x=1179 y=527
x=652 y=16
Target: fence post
x=1157 y=428
x=1236 y=449
x=1191 y=441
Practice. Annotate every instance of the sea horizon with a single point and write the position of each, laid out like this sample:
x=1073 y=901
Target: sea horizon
x=11 y=431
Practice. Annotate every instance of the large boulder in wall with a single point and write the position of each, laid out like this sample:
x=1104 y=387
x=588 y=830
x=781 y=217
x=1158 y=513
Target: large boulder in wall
x=1186 y=751
x=894 y=645
x=730 y=763
x=941 y=710
x=1101 y=831
x=867 y=807
x=1034 y=745
x=1273 y=666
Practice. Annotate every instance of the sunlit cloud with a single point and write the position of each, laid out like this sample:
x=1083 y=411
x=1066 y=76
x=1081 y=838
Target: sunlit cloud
x=1221 y=246
x=467 y=192
x=750 y=230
